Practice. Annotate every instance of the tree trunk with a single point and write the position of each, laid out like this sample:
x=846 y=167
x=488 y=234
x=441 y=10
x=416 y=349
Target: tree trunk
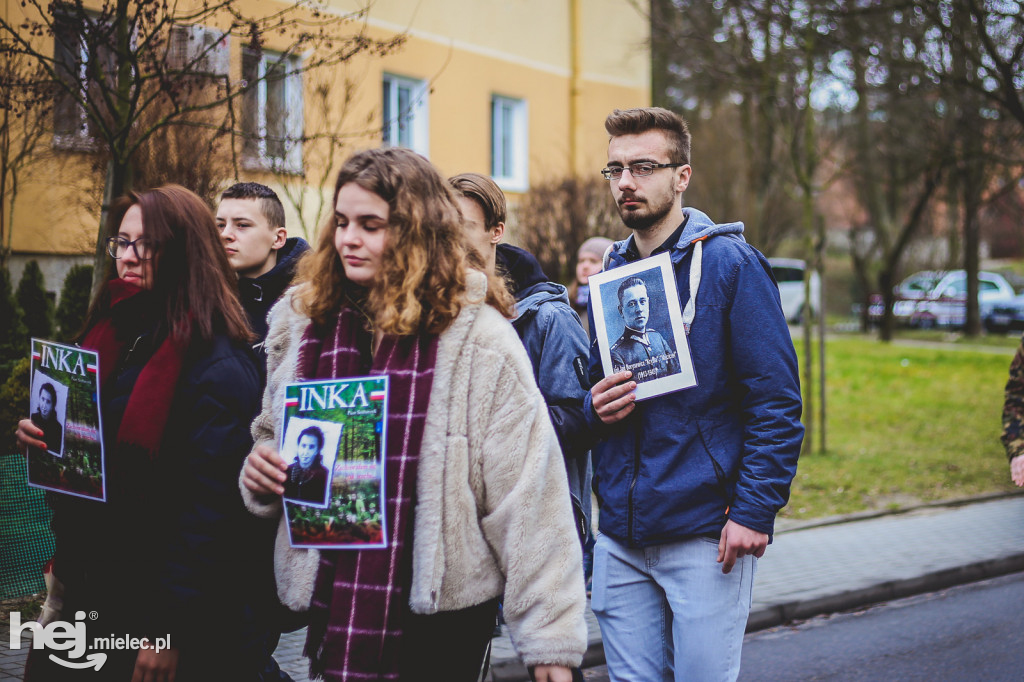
x=118 y=182
x=819 y=258
x=972 y=247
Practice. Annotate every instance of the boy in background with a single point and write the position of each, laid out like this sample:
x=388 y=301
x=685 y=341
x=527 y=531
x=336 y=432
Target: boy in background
x=250 y=218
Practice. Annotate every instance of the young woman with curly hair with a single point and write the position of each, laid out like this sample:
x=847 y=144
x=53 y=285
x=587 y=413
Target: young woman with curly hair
x=477 y=501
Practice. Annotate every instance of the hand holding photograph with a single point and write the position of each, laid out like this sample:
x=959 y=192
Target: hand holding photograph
x=639 y=326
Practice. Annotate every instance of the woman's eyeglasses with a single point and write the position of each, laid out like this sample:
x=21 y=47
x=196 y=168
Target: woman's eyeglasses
x=145 y=249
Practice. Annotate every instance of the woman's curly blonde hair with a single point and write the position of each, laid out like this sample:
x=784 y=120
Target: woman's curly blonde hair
x=422 y=278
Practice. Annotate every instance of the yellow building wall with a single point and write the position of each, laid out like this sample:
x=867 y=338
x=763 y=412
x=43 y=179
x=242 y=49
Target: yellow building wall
x=468 y=50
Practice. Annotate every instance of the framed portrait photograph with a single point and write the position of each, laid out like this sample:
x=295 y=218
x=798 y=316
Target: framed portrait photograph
x=48 y=410
x=309 y=448
x=639 y=324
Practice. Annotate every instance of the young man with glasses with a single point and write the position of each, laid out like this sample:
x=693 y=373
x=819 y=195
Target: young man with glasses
x=690 y=481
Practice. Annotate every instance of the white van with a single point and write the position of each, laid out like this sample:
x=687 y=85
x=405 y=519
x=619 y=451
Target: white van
x=789 y=273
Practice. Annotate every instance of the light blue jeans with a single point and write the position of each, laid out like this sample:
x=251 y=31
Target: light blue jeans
x=668 y=613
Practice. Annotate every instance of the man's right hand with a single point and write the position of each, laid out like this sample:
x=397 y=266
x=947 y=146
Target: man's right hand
x=1017 y=470
x=614 y=397
x=28 y=435
x=263 y=473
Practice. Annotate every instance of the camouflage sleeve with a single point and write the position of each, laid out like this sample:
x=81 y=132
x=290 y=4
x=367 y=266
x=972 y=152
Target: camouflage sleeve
x=1013 y=407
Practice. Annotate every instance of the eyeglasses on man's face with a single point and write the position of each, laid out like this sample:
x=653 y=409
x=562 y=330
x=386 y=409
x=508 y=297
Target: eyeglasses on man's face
x=637 y=170
x=145 y=249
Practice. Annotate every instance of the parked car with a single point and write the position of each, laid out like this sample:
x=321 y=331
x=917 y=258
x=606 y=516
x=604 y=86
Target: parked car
x=789 y=274
x=1005 y=317
x=908 y=293
x=946 y=304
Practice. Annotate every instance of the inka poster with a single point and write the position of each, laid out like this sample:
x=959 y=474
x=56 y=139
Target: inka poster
x=333 y=443
x=64 y=402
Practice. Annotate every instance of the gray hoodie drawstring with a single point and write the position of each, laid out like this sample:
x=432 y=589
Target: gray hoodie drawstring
x=690 y=311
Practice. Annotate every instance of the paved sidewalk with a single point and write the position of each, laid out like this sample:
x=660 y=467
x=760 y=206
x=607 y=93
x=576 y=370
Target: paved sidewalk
x=817 y=568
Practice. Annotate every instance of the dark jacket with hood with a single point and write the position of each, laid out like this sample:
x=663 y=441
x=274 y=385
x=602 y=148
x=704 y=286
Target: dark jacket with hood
x=683 y=463
x=259 y=294
x=554 y=337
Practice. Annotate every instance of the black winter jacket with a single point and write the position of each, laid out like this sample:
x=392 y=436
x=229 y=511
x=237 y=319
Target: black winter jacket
x=173 y=550
x=259 y=294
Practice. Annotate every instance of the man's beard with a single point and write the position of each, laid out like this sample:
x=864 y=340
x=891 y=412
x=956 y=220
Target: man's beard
x=643 y=220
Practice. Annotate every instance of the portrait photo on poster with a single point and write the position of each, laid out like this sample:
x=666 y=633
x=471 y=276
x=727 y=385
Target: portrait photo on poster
x=639 y=325
x=48 y=411
x=310 y=447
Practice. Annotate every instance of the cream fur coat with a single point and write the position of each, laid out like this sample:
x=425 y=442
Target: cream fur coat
x=492 y=510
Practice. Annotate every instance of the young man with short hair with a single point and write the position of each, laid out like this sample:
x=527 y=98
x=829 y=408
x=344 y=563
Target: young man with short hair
x=549 y=328
x=689 y=481
x=251 y=221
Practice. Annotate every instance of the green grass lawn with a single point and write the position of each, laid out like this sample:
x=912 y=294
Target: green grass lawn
x=905 y=425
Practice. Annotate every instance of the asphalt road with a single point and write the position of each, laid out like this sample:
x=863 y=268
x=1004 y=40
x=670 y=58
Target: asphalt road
x=971 y=632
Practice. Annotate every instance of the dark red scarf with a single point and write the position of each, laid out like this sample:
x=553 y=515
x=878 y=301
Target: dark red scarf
x=145 y=417
x=360 y=596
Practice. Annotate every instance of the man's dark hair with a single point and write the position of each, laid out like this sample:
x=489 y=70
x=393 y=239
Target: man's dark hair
x=270 y=204
x=629 y=283
x=637 y=121
x=316 y=433
x=52 y=391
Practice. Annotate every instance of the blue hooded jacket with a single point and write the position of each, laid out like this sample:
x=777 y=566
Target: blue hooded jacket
x=554 y=337
x=683 y=463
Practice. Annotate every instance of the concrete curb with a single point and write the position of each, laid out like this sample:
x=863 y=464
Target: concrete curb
x=781 y=614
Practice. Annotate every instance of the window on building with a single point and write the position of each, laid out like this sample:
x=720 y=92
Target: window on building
x=272 y=111
x=198 y=50
x=405 y=113
x=80 y=54
x=509 y=143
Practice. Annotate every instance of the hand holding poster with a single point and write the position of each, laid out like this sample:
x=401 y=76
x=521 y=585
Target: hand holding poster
x=64 y=404
x=333 y=444
x=639 y=326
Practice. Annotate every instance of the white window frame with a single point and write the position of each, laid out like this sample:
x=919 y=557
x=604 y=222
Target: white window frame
x=259 y=155
x=81 y=135
x=199 y=50
x=413 y=118
x=510 y=143
x=81 y=138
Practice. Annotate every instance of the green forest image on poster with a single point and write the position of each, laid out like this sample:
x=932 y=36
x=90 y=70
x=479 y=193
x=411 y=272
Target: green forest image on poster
x=333 y=444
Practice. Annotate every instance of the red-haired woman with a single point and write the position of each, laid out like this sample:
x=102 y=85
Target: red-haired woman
x=477 y=501
x=172 y=553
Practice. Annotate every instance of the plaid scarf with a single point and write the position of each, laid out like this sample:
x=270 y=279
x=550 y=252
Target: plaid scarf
x=360 y=597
